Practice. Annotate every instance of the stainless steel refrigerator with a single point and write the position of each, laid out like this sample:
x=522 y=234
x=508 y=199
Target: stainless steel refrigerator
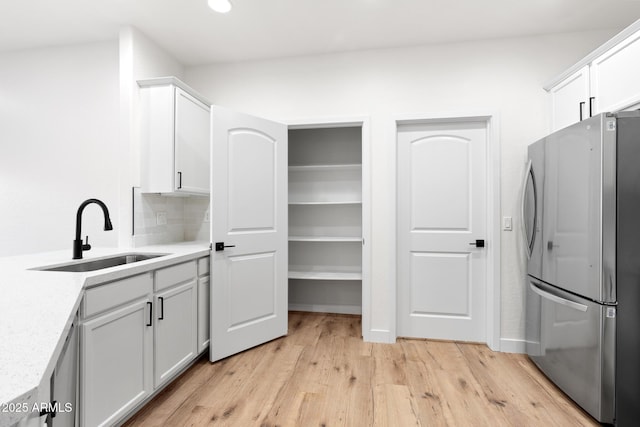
x=581 y=222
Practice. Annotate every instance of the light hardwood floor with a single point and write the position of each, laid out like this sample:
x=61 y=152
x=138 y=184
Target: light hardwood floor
x=323 y=374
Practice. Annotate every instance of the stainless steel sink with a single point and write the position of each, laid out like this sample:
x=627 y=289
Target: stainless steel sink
x=99 y=264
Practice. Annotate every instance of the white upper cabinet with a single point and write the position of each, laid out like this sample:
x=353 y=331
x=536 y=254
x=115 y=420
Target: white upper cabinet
x=569 y=99
x=614 y=76
x=604 y=81
x=175 y=135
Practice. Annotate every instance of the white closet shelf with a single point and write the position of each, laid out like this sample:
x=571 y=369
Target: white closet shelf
x=324 y=239
x=327 y=308
x=333 y=202
x=324 y=275
x=323 y=168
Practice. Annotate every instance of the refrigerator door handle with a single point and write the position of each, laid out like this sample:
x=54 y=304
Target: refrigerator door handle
x=523 y=228
x=557 y=299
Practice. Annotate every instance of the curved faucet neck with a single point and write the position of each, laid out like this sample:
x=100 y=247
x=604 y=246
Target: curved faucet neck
x=105 y=211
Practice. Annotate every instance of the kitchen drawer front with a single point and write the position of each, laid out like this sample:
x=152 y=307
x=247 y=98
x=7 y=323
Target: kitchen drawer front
x=203 y=266
x=113 y=294
x=175 y=274
x=576 y=347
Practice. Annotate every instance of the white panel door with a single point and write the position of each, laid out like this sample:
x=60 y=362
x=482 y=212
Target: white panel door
x=441 y=211
x=249 y=202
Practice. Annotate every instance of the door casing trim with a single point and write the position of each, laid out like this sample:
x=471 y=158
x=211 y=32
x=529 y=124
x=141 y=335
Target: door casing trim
x=364 y=123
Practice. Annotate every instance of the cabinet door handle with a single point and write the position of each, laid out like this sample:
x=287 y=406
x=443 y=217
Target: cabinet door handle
x=161 y=300
x=591 y=99
x=180 y=173
x=580 y=106
x=50 y=412
x=150 y=305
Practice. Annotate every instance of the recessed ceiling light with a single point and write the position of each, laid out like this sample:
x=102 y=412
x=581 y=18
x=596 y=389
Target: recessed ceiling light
x=220 y=6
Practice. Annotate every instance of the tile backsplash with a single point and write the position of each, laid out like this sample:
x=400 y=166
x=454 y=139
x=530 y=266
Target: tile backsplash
x=162 y=219
x=196 y=218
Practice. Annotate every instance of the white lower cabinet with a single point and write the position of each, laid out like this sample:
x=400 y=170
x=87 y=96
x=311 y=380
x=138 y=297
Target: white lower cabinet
x=115 y=362
x=137 y=334
x=175 y=330
x=203 y=304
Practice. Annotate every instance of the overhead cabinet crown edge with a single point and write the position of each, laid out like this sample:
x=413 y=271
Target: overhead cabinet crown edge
x=175 y=136
x=603 y=81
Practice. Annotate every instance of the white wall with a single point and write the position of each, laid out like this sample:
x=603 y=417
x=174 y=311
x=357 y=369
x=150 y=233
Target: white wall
x=58 y=145
x=142 y=58
x=69 y=132
x=503 y=76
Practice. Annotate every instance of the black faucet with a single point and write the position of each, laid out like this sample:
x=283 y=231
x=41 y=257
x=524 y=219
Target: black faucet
x=78 y=246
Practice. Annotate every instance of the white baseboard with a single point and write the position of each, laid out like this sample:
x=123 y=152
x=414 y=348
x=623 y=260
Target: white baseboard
x=327 y=308
x=383 y=336
x=508 y=345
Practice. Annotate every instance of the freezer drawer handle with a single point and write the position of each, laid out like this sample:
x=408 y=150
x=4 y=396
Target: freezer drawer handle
x=555 y=298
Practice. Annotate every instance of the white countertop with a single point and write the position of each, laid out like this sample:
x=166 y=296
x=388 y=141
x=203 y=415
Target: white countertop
x=38 y=307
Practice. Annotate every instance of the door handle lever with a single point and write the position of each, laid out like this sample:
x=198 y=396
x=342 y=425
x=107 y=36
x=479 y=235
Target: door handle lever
x=220 y=246
x=479 y=243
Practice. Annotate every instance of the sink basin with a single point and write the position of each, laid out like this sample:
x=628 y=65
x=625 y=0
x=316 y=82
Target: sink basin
x=99 y=264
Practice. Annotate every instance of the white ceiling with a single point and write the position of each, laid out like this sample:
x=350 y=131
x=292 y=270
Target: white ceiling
x=257 y=29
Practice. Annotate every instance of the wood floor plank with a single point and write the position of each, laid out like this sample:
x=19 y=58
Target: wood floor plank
x=429 y=404
x=565 y=405
x=218 y=393
x=464 y=402
x=323 y=374
x=510 y=390
x=394 y=406
x=176 y=393
x=389 y=362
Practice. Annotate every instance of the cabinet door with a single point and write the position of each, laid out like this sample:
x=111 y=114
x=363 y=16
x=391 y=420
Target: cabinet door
x=192 y=125
x=203 y=313
x=614 y=77
x=175 y=330
x=570 y=100
x=116 y=363
x=65 y=380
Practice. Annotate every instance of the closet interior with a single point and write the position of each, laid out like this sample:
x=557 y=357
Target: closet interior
x=325 y=219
